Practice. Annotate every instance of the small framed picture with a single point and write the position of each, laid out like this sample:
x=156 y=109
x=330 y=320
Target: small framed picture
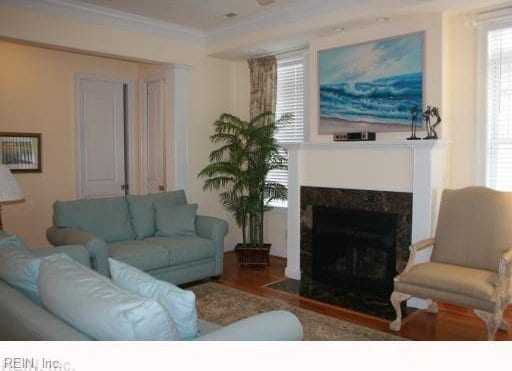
x=21 y=152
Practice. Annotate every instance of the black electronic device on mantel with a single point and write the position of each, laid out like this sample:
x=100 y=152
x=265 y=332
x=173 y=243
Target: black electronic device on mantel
x=354 y=136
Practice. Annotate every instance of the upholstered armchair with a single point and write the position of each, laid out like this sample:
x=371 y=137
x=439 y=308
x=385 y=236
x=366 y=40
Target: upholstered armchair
x=471 y=260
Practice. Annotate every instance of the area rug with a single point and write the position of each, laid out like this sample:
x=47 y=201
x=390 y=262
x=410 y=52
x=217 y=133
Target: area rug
x=223 y=305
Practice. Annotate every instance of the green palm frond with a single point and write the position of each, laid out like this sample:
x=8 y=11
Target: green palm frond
x=275 y=191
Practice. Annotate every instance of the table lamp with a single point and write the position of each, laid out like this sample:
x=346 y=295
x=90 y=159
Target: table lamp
x=9 y=189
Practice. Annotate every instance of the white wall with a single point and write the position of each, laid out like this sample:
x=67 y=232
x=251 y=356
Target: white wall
x=379 y=169
x=359 y=169
x=211 y=82
x=461 y=79
x=450 y=83
x=37 y=94
x=223 y=86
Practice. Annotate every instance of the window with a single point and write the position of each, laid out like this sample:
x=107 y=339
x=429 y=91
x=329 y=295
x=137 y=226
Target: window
x=498 y=148
x=290 y=99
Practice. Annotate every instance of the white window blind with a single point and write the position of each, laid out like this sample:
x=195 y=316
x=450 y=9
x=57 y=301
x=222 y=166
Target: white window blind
x=499 y=109
x=290 y=99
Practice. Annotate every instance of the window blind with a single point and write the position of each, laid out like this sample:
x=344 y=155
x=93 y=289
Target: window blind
x=290 y=99
x=499 y=109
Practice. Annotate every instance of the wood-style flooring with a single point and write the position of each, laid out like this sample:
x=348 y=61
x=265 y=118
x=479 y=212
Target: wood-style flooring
x=451 y=323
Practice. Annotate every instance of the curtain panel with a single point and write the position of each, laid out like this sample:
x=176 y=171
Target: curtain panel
x=263 y=85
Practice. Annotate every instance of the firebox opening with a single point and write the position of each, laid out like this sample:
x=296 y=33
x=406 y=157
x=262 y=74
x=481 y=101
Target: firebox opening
x=354 y=248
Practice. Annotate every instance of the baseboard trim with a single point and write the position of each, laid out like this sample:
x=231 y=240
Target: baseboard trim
x=292 y=273
x=417 y=303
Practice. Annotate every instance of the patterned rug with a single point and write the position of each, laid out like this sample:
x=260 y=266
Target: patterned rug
x=223 y=305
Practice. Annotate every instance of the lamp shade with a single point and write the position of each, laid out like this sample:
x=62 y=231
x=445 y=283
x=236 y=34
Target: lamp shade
x=9 y=188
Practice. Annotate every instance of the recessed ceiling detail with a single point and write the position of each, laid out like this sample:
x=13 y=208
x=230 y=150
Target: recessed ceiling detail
x=212 y=22
x=200 y=14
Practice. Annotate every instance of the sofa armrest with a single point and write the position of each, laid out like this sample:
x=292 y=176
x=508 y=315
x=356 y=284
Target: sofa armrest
x=276 y=325
x=505 y=266
x=414 y=248
x=214 y=229
x=76 y=252
x=97 y=248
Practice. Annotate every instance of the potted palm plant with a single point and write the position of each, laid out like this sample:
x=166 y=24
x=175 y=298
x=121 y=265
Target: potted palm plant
x=238 y=169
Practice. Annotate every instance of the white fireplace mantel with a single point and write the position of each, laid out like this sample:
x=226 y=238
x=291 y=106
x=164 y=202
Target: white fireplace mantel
x=370 y=144
x=427 y=158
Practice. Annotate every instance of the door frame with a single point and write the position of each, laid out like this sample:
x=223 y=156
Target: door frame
x=177 y=105
x=144 y=124
x=130 y=130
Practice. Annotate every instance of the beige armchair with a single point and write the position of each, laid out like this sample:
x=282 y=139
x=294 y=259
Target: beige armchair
x=471 y=259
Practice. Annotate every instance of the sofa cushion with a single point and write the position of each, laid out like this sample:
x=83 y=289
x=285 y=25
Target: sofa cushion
x=180 y=304
x=142 y=213
x=20 y=269
x=184 y=249
x=108 y=218
x=477 y=283
x=141 y=254
x=175 y=220
x=96 y=306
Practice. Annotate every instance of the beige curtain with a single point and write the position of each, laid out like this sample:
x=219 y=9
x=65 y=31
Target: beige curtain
x=263 y=85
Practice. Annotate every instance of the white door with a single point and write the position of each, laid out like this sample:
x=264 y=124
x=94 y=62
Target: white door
x=101 y=138
x=155 y=138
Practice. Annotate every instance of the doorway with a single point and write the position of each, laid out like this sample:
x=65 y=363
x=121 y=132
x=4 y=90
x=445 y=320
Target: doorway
x=104 y=120
x=153 y=147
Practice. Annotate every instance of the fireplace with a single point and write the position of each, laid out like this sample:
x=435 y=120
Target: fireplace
x=352 y=243
x=355 y=249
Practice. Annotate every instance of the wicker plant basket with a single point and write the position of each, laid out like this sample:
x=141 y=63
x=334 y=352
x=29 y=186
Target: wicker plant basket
x=253 y=255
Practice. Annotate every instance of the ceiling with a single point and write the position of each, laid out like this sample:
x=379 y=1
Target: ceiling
x=208 y=17
x=202 y=14
x=203 y=22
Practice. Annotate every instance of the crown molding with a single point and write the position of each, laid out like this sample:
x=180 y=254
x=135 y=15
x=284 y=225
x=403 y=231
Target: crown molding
x=110 y=17
x=494 y=16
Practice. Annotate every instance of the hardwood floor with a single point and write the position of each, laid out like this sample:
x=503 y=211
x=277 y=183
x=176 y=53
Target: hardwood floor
x=451 y=323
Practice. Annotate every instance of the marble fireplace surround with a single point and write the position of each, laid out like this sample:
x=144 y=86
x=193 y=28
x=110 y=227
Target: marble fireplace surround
x=397 y=203
x=418 y=167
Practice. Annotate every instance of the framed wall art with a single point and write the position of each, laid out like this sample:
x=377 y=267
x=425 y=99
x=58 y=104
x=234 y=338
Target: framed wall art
x=371 y=86
x=21 y=152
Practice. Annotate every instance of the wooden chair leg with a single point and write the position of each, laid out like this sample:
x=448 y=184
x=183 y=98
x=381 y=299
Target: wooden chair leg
x=504 y=326
x=492 y=320
x=432 y=306
x=396 y=299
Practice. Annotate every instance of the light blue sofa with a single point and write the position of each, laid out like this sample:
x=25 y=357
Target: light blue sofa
x=124 y=229
x=22 y=319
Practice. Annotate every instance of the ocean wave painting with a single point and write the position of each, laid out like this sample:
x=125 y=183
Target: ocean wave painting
x=371 y=86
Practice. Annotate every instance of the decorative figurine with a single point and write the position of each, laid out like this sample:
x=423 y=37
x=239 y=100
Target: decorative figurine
x=435 y=113
x=414 y=117
x=426 y=118
x=431 y=129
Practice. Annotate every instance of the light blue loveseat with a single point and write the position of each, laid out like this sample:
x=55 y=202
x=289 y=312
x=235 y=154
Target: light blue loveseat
x=124 y=229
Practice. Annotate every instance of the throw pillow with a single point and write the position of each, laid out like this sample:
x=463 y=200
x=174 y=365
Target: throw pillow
x=96 y=306
x=13 y=240
x=143 y=214
x=180 y=304
x=175 y=220
x=20 y=269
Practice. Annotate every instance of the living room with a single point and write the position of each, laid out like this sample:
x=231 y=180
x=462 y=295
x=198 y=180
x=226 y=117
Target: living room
x=47 y=46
